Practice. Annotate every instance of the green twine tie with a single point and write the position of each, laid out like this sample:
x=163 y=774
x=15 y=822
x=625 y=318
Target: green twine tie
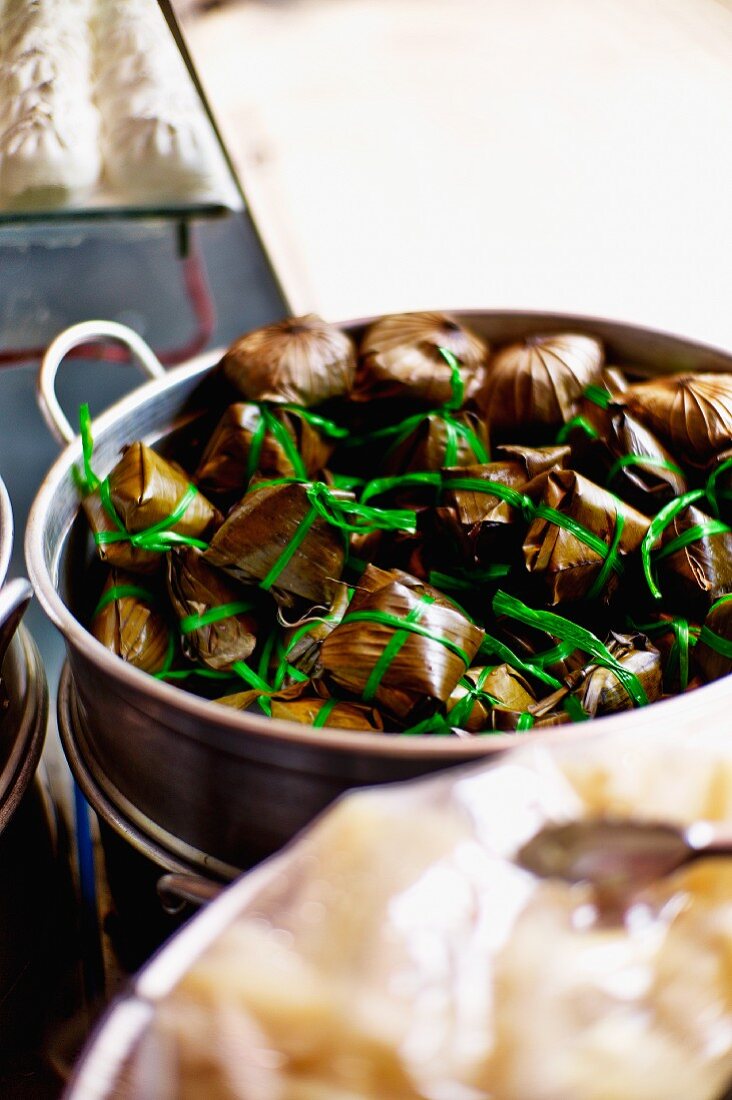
x=641 y=460
x=122 y=592
x=585 y=640
x=659 y=524
x=324 y=713
x=214 y=615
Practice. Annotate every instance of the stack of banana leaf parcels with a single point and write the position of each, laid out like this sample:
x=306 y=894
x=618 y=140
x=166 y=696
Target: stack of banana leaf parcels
x=423 y=535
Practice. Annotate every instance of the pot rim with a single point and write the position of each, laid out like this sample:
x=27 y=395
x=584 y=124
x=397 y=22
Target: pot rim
x=195 y=708
x=6 y=532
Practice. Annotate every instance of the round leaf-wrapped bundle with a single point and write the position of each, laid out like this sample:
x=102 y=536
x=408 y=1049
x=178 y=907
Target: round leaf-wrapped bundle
x=401 y=643
x=435 y=440
x=401 y=357
x=129 y=622
x=302 y=360
x=256 y=439
x=692 y=413
x=534 y=386
x=216 y=616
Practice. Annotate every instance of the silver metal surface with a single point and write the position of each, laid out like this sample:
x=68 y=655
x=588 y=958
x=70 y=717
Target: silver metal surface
x=235 y=785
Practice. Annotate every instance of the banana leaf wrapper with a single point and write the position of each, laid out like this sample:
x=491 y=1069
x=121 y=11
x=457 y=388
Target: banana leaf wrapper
x=396 y=668
x=692 y=578
x=615 y=457
x=306 y=711
x=400 y=358
x=132 y=625
x=436 y=442
x=145 y=489
x=569 y=566
x=405 y=550
x=680 y=671
x=302 y=642
x=713 y=651
x=197 y=588
x=256 y=538
x=602 y=693
x=299 y=361
x=481 y=689
x=534 y=386
x=482 y=524
x=719 y=484
x=224 y=469
x=557 y=658
x=690 y=413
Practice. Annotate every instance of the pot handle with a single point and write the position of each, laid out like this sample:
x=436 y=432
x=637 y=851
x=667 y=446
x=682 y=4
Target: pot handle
x=14 y=599
x=86 y=332
x=176 y=890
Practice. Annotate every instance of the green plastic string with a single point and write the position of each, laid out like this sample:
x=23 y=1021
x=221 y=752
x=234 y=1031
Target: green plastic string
x=685 y=636
x=473 y=694
x=598 y=396
x=577 y=422
x=265 y=657
x=641 y=460
x=379 y=485
x=693 y=534
x=214 y=615
x=250 y=677
x=585 y=640
x=387 y=619
x=88 y=481
x=157 y=539
x=348 y=515
x=611 y=558
x=121 y=592
x=712 y=493
x=715 y=641
x=552 y=656
x=284 y=559
x=456 y=381
x=327 y=427
x=525 y=722
x=284 y=667
x=436 y=724
x=394 y=644
x=495 y=489
x=491 y=646
x=660 y=522
x=324 y=713
x=467 y=579
x=609 y=554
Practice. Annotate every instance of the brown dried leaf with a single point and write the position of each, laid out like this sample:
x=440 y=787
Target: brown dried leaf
x=302 y=361
x=399 y=358
x=692 y=413
x=260 y=528
x=133 y=628
x=569 y=566
x=537 y=382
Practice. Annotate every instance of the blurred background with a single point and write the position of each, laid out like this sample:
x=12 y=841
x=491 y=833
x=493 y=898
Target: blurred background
x=559 y=154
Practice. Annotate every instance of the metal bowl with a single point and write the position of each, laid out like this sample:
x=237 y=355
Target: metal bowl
x=224 y=782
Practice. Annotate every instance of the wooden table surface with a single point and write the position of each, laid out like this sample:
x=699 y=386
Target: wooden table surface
x=568 y=154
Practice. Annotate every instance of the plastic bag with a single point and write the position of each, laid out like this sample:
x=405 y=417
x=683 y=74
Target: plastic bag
x=396 y=952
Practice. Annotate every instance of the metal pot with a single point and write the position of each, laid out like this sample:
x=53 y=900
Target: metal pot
x=154 y=888
x=29 y=869
x=230 y=785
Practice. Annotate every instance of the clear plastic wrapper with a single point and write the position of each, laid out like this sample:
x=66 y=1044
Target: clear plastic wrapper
x=397 y=951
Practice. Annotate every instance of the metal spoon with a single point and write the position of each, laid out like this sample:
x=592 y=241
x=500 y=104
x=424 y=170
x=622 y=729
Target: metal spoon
x=619 y=857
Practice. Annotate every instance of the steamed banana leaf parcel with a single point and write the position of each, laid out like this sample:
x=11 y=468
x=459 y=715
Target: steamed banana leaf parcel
x=401 y=643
